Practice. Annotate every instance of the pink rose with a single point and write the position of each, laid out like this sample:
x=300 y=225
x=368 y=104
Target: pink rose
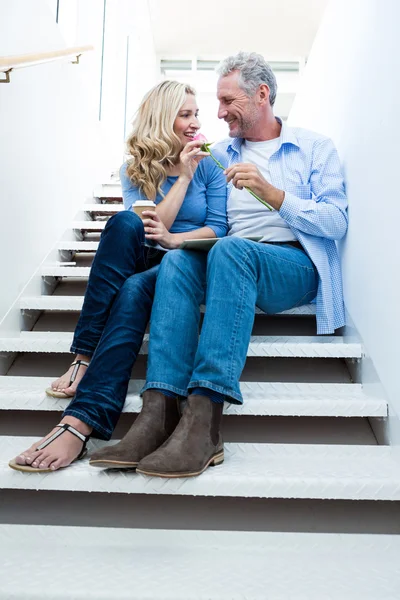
x=200 y=137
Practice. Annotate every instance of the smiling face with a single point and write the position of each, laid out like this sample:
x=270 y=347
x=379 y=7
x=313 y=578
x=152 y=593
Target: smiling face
x=236 y=108
x=187 y=124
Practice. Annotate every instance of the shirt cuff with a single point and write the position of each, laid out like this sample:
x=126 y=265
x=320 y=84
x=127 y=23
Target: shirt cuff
x=290 y=208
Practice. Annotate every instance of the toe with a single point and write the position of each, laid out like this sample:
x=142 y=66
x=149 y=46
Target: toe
x=70 y=391
x=44 y=462
x=29 y=458
x=20 y=459
x=57 y=463
x=55 y=384
x=61 y=383
x=26 y=457
x=35 y=458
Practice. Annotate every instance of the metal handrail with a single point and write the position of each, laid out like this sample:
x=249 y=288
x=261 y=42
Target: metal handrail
x=20 y=61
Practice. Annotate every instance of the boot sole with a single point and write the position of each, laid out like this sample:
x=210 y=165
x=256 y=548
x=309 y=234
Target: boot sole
x=113 y=464
x=215 y=460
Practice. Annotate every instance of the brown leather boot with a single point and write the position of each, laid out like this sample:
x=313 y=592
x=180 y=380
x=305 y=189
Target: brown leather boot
x=195 y=444
x=156 y=421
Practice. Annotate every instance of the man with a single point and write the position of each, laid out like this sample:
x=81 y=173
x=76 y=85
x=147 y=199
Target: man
x=297 y=173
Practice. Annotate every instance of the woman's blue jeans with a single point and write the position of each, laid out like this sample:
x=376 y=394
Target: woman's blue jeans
x=113 y=320
x=236 y=276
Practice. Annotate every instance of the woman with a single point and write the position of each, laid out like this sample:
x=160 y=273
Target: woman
x=166 y=166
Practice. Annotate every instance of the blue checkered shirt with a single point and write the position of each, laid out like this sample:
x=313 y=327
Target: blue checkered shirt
x=307 y=167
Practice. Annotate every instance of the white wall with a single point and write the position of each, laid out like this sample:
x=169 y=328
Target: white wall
x=130 y=69
x=49 y=150
x=63 y=126
x=350 y=92
x=143 y=65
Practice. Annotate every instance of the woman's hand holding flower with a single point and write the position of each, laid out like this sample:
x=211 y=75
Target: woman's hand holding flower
x=190 y=157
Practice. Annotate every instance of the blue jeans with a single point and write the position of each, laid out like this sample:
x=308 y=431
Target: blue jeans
x=113 y=320
x=120 y=254
x=236 y=276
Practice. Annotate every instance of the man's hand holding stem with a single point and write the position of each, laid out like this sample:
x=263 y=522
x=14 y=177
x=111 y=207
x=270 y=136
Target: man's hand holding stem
x=244 y=175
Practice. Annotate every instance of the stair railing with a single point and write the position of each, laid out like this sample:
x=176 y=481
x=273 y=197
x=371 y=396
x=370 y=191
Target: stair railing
x=20 y=61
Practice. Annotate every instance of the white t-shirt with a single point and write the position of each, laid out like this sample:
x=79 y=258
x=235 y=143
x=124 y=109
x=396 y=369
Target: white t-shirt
x=247 y=217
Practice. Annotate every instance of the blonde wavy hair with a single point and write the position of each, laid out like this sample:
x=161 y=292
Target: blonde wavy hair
x=153 y=145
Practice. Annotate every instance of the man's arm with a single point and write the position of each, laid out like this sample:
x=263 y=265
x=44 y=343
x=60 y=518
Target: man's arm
x=325 y=215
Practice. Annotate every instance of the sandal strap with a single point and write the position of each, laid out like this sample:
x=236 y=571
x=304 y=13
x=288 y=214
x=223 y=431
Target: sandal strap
x=76 y=364
x=63 y=428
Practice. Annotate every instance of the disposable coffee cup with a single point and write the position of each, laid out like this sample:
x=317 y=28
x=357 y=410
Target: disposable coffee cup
x=141 y=205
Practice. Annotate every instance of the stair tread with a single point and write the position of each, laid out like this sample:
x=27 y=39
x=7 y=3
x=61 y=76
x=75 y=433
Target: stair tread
x=108 y=190
x=106 y=207
x=260 y=398
x=195 y=565
x=76 y=302
x=89 y=225
x=314 y=471
x=77 y=245
x=61 y=271
x=267 y=346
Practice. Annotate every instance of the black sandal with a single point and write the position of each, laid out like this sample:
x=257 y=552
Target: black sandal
x=63 y=428
x=77 y=364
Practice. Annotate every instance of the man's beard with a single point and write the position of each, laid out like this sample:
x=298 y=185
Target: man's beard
x=245 y=125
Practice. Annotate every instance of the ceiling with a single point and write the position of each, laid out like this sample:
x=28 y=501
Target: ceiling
x=278 y=29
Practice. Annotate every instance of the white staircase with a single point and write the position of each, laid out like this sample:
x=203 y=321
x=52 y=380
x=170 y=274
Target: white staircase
x=184 y=565
x=301 y=443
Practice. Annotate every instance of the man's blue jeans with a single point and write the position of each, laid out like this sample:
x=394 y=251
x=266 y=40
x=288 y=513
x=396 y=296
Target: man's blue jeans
x=113 y=320
x=236 y=276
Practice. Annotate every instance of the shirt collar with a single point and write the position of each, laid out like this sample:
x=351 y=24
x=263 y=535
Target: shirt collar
x=287 y=136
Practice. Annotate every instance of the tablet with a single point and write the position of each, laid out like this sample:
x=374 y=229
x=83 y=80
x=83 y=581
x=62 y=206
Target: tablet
x=205 y=244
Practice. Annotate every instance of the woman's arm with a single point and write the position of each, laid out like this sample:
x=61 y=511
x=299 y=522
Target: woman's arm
x=216 y=196
x=170 y=205
x=130 y=193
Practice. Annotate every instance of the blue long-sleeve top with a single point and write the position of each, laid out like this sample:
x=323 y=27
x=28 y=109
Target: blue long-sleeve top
x=204 y=204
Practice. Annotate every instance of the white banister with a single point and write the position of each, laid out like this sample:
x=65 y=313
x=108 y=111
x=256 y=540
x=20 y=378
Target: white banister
x=10 y=63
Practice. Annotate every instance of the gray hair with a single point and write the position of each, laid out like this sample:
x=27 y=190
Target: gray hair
x=253 y=71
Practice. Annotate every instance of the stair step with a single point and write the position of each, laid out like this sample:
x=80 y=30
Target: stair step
x=60 y=271
x=108 y=190
x=314 y=471
x=272 y=399
x=107 y=207
x=195 y=565
x=78 y=246
x=74 y=303
x=267 y=346
x=89 y=225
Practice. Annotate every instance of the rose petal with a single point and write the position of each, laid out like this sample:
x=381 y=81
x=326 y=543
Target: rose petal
x=200 y=137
